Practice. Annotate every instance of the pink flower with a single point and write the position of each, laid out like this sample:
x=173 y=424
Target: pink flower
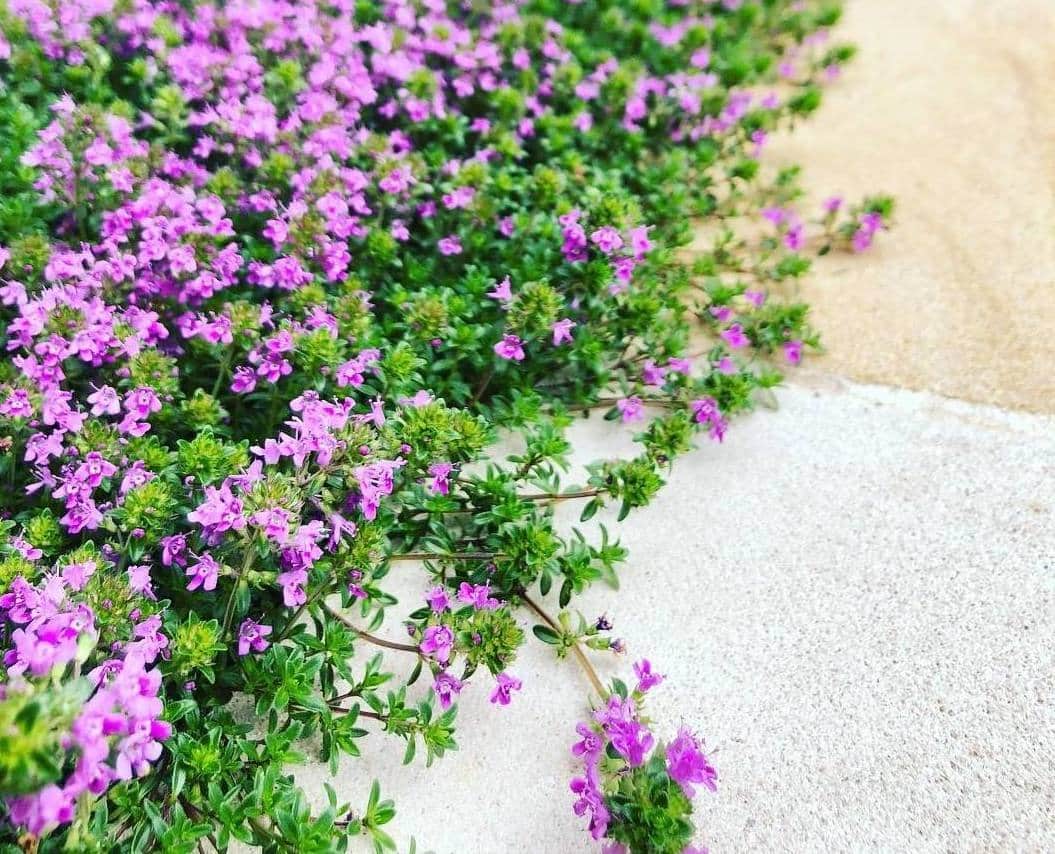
x=652 y=374
x=607 y=239
x=502 y=292
x=793 y=351
x=687 y=764
x=252 y=636
x=446 y=686
x=438 y=599
x=511 y=348
x=243 y=381
x=639 y=241
x=562 y=331
x=632 y=409
x=705 y=411
x=437 y=643
x=450 y=245
x=504 y=687
x=734 y=336
x=440 y=473
x=203 y=574
x=477 y=595
x=104 y=400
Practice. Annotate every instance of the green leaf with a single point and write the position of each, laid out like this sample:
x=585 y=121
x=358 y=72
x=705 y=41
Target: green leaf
x=546 y=634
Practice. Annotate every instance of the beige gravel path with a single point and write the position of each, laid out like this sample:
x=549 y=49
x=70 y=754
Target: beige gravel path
x=950 y=107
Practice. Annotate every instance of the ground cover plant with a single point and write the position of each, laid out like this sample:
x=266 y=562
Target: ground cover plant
x=275 y=279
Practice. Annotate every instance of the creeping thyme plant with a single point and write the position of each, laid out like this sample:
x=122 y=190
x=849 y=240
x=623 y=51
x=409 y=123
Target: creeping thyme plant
x=277 y=277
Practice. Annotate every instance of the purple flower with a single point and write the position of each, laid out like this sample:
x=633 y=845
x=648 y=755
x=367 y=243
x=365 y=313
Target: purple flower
x=607 y=239
x=450 y=245
x=630 y=738
x=646 y=679
x=832 y=204
x=562 y=331
x=756 y=298
x=631 y=408
x=686 y=764
x=438 y=599
x=591 y=799
x=446 y=686
x=510 y=347
x=868 y=225
x=503 y=292
x=437 y=642
x=141 y=402
x=439 y=485
x=793 y=351
x=734 y=336
x=652 y=374
x=76 y=575
x=376 y=481
x=705 y=411
x=252 y=636
x=477 y=595
x=504 y=687
x=639 y=241
x=104 y=400
x=592 y=742
x=292 y=582
x=140 y=581
x=174 y=550
x=203 y=574
x=243 y=381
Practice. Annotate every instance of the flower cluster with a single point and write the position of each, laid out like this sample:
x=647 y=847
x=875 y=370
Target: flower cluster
x=635 y=797
x=276 y=279
x=114 y=728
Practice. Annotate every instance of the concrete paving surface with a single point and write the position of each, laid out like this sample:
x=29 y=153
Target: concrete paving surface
x=853 y=600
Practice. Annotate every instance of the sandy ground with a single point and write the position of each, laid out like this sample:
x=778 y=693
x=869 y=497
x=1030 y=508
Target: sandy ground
x=853 y=599
x=949 y=107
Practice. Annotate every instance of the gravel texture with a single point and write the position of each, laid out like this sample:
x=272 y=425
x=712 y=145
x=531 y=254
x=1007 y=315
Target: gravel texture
x=853 y=600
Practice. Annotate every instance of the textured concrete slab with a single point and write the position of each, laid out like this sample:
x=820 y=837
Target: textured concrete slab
x=948 y=107
x=853 y=600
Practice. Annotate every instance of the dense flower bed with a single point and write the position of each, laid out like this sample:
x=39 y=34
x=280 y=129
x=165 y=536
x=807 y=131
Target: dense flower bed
x=275 y=277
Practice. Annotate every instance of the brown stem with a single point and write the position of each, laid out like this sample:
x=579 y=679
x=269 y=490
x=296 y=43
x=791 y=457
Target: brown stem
x=580 y=656
x=444 y=556
x=366 y=636
x=362 y=713
x=560 y=496
x=482 y=387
